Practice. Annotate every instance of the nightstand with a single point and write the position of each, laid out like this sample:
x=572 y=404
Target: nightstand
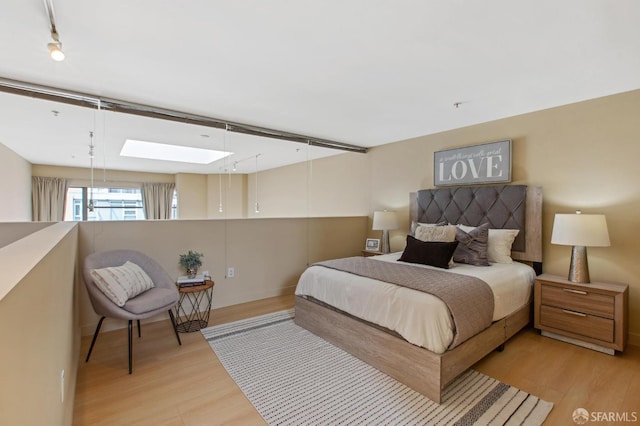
x=367 y=253
x=593 y=315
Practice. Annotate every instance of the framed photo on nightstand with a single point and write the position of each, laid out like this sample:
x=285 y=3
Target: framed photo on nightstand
x=372 y=244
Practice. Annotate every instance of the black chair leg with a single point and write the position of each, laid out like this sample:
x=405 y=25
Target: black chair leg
x=130 y=338
x=130 y=344
x=175 y=328
x=95 y=336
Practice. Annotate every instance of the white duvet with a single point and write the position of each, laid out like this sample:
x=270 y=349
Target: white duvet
x=420 y=318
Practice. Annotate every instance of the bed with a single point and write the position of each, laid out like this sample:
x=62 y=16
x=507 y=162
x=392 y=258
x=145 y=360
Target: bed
x=428 y=366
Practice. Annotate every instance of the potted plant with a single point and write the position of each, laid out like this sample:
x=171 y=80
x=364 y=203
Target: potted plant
x=191 y=262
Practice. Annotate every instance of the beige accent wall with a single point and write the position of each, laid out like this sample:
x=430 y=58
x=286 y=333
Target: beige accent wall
x=584 y=155
x=15 y=186
x=331 y=186
x=268 y=254
x=39 y=330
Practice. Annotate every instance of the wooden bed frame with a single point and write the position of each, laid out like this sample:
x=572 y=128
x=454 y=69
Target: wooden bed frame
x=416 y=367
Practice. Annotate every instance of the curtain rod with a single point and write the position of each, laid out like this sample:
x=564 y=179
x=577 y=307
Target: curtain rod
x=92 y=101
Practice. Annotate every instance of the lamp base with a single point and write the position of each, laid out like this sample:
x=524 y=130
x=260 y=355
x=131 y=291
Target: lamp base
x=579 y=268
x=386 y=247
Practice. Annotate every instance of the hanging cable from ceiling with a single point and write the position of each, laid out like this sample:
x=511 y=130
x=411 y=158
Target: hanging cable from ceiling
x=104 y=142
x=225 y=170
x=91 y=157
x=257 y=204
x=220 y=190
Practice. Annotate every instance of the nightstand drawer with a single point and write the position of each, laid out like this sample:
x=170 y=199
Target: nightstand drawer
x=578 y=300
x=578 y=323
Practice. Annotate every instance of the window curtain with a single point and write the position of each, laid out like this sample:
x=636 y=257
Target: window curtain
x=157 y=199
x=48 y=198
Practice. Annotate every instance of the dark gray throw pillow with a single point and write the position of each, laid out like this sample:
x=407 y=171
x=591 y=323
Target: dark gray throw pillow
x=472 y=247
x=432 y=253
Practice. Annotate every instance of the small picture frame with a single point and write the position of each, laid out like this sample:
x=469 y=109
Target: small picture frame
x=372 y=244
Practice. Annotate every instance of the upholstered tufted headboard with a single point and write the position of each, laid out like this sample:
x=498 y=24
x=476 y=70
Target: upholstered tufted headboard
x=503 y=207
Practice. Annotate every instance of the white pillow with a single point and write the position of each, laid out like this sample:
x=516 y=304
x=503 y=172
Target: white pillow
x=499 y=243
x=121 y=283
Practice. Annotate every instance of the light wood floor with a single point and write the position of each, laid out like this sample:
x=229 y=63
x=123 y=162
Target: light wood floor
x=187 y=385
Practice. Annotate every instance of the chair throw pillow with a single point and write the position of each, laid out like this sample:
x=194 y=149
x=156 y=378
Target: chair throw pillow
x=121 y=283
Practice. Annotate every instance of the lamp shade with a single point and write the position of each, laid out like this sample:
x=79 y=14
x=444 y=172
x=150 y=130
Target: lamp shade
x=384 y=220
x=588 y=230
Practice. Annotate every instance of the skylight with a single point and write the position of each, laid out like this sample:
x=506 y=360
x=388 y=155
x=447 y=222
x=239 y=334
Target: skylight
x=167 y=152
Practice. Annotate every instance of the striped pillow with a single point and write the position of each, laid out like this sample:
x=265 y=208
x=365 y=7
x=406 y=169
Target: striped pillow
x=121 y=283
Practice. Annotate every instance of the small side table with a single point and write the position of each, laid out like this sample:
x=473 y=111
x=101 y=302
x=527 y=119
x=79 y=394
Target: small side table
x=367 y=253
x=189 y=316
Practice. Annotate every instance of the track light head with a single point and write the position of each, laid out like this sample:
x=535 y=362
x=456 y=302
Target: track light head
x=55 y=50
x=55 y=47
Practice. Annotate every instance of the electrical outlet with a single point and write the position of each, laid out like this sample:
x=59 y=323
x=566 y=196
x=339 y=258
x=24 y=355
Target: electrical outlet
x=62 y=386
x=231 y=272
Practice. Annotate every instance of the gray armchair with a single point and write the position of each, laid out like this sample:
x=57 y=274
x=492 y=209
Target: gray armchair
x=162 y=297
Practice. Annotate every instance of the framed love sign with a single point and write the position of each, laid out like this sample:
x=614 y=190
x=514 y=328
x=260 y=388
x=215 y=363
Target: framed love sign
x=489 y=162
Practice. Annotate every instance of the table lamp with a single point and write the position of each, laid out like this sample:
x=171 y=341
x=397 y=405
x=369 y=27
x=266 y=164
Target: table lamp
x=580 y=231
x=384 y=221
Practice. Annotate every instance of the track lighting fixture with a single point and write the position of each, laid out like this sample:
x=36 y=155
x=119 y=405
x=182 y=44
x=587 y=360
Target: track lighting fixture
x=55 y=48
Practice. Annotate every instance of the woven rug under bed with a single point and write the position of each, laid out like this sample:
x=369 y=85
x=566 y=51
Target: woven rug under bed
x=293 y=377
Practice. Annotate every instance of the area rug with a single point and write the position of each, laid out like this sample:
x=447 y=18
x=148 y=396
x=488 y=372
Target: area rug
x=293 y=377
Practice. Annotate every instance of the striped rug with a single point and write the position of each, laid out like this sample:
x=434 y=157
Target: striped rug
x=293 y=377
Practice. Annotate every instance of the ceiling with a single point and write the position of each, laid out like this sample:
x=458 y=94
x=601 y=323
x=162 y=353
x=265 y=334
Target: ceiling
x=362 y=72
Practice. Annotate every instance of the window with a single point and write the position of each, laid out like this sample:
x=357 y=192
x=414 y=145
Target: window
x=108 y=204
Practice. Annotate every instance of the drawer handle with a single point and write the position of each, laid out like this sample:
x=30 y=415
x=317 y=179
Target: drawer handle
x=569 y=290
x=578 y=314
